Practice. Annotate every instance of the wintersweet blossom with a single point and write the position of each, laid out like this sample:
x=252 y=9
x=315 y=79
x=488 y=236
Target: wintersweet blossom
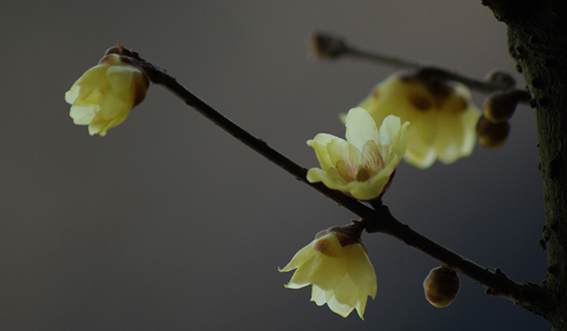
x=441 y=114
x=104 y=95
x=337 y=267
x=363 y=164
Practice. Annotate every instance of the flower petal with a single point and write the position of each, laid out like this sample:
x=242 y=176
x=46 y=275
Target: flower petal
x=340 y=308
x=319 y=144
x=304 y=254
x=360 y=128
x=320 y=296
x=361 y=271
x=83 y=115
x=361 y=306
x=347 y=292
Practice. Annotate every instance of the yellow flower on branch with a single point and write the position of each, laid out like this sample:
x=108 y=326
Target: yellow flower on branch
x=104 y=95
x=441 y=114
x=337 y=267
x=363 y=164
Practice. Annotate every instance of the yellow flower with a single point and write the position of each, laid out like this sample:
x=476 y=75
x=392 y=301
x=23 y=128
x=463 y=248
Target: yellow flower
x=364 y=163
x=338 y=268
x=441 y=114
x=104 y=95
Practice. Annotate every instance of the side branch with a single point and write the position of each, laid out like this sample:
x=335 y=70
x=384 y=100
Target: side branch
x=528 y=296
x=328 y=46
x=376 y=220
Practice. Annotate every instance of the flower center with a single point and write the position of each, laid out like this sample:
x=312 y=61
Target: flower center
x=362 y=174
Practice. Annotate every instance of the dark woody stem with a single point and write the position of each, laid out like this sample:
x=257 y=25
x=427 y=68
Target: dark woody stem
x=375 y=220
x=328 y=46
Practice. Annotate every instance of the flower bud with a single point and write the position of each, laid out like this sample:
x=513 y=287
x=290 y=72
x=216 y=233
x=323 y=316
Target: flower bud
x=323 y=45
x=501 y=77
x=104 y=95
x=492 y=135
x=500 y=106
x=441 y=286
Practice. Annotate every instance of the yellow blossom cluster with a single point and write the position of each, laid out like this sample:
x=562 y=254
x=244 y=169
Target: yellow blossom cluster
x=408 y=116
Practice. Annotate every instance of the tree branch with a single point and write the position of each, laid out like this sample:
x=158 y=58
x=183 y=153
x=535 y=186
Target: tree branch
x=376 y=220
x=536 y=40
x=328 y=46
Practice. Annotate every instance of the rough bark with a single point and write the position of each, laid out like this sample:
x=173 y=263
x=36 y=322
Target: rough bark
x=537 y=39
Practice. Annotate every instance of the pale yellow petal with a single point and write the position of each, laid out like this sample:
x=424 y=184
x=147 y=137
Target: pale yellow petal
x=421 y=135
x=72 y=94
x=450 y=138
x=371 y=157
x=83 y=115
x=319 y=144
x=340 y=149
x=97 y=128
x=361 y=306
x=112 y=106
x=361 y=271
x=315 y=175
x=320 y=296
x=389 y=130
x=347 y=292
x=303 y=274
x=469 y=120
x=368 y=190
x=123 y=81
x=421 y=158
x=360 y=127
x=328 y=271
x=331 y=178
x=303 y=255
x=94 y=78
x=342 y=309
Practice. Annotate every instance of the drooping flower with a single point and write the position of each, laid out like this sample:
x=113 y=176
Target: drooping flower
x=104 y=95
x=441 y=114
x=364 y=163
x=337 y=267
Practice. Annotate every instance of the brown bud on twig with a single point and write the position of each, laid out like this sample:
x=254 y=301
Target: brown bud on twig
x=501 y=77
x=500 y=106
x=441 y=286
x=324 y=45
x=492 y=135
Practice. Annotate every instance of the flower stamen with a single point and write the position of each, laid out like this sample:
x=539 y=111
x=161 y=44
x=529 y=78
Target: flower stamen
x=362 y=174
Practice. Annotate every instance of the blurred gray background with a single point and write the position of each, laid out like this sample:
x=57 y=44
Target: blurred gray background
x=168 y=223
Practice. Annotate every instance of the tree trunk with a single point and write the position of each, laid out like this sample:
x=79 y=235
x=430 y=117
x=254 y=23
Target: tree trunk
x=537 y=39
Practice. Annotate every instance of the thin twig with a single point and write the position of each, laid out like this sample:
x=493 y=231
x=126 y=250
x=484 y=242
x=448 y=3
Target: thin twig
x=328 y=46
x=377 y=220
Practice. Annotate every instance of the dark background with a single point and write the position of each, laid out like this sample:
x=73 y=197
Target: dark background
x=168 y=223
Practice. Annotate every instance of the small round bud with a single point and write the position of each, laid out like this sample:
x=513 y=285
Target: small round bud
x=441 y=286
x=500 y=106
x=324 y=45
x=501 y=77
x=492 y=135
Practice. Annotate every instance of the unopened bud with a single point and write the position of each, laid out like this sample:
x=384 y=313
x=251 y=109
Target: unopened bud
x=492 y=135
x=500 y=106
x=325 y=45
x=441 y=286
x=501 y=77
